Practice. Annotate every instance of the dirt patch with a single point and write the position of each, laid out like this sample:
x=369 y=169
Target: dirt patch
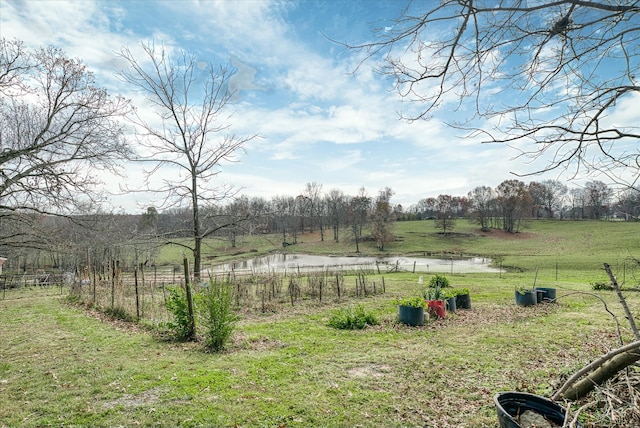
x=261 y=343
x=479 y=316
x=370 y=370
x=145 y=398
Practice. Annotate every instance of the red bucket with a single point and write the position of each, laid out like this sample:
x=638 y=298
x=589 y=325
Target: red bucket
x=436 y=308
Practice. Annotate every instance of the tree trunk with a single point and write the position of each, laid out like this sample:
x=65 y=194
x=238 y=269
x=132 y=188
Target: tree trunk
x=197 y=235
x=187 y=286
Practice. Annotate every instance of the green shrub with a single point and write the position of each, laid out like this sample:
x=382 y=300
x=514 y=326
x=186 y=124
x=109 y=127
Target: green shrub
x=601 y=285
x=178 y=306
x=439 y=280
x=217 y=313
x=352 y=319
x=454 y=292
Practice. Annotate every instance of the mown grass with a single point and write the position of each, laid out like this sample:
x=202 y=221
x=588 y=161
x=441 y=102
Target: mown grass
x=61 y=365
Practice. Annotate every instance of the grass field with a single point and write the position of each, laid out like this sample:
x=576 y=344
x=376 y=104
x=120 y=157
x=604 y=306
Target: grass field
x=63 y=366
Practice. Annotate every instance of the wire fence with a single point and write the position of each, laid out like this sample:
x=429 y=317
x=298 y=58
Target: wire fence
x=142 y=292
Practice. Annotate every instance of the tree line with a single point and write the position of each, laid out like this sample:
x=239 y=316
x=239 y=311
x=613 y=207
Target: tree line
x=80 y=240
x=59 y=129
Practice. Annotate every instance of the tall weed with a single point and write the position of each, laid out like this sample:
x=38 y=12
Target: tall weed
x=218 y=316
x=178 y=306
x=352 y=319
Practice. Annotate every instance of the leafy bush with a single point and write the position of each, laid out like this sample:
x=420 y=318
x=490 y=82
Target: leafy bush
x=454 y=292
x=352 y=319
x=414 y=302
x=601 y=285
x=178 y=306
x=439 y=280
x=217 y=313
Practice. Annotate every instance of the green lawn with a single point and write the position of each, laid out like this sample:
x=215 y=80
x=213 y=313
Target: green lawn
x=63 y=366
x=571 y=251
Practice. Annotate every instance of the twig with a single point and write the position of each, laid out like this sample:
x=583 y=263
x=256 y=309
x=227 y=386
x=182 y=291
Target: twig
x=623 y=302
x=574 y=421
x=604 y=304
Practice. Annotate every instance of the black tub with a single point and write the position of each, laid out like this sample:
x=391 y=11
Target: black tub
x=549 y=294
x=511 y=404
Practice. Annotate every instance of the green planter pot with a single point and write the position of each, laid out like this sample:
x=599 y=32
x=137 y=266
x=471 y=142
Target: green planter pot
x=526 y=298
x=410 y=315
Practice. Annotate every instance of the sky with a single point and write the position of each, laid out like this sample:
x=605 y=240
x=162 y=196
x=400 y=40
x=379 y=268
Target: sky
x=319 y=118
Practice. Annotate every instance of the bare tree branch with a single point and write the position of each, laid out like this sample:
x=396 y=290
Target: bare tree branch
x=546 y=77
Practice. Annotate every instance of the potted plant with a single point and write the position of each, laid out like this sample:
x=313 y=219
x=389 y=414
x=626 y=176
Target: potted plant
x=411 y=310
x=434 y=296
x=463 y=298
x=438 y=281
x=449 y=297
x=526 y=297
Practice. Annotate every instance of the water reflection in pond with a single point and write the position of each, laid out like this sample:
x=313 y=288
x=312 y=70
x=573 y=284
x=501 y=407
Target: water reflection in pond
x=283 y=262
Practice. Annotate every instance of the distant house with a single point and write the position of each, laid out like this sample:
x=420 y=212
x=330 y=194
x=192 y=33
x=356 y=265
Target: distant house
x=2 y=260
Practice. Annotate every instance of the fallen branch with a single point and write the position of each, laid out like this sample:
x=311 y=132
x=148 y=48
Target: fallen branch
x=602 y=369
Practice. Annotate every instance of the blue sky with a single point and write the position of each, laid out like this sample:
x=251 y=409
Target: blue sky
x=317 y=121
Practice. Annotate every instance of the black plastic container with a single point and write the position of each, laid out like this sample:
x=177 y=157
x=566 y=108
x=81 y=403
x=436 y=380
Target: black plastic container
x=549 y=294
x=463 y=301
x=511 y=404
x=526 y=298
x=410 y=315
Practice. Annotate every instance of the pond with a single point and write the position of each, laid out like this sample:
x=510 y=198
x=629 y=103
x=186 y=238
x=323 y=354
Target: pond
x=285 y=262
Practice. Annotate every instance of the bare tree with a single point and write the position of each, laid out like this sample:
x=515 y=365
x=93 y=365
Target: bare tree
x=598 y=196
x=481 y=200
x=547 y=197
x=381 y=219
x=189 y=136
x=514 y=200
x=564 y=67
x=445 y=213
x=629 y=204
x=58 y=130
x=358 y=215
x=312 y=194
x=284 y=210
x=337 y=206
x=427 y=207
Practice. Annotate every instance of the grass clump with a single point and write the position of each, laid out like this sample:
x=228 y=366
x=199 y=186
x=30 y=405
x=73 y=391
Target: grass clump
x=352 y=318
